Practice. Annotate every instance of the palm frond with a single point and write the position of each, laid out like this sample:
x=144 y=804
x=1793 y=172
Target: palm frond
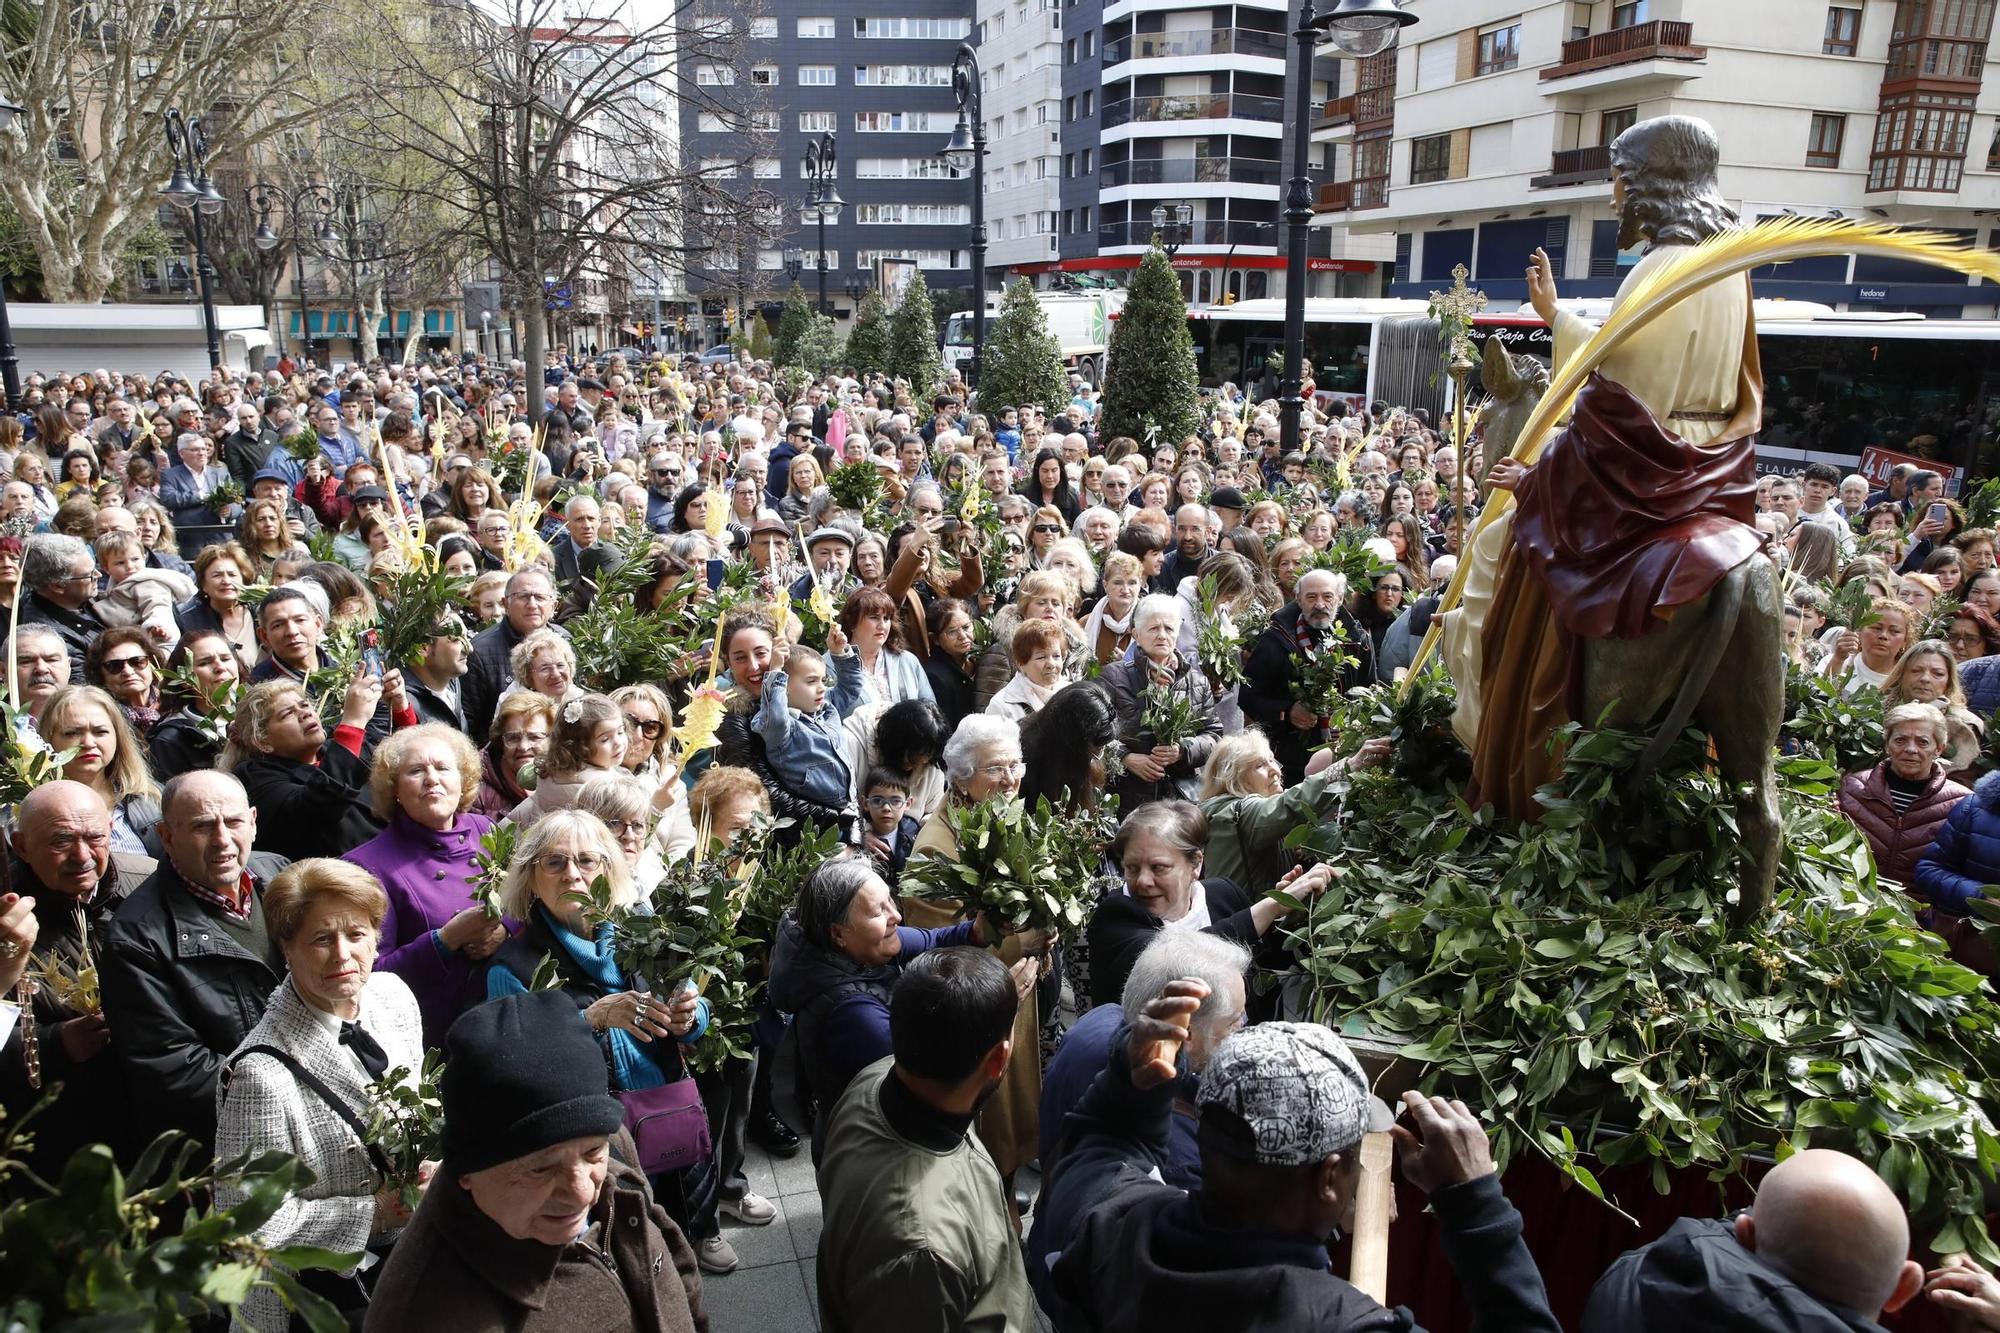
x=1721 y=257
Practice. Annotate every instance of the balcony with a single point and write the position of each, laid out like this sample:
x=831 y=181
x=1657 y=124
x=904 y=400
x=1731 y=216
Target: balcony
x=1374 y=107
x=1662 y=39
x=1188 y=171
x=1575 y=166
x=1225 y=106
x=1203 y=232
x=1335 y=114
x=1334 y=197
x=1200 y=42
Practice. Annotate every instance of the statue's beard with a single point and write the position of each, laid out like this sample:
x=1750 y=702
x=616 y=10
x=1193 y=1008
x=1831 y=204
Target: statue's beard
x=1629 y=233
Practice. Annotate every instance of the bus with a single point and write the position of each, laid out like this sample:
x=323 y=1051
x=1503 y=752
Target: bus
x=1861 y=390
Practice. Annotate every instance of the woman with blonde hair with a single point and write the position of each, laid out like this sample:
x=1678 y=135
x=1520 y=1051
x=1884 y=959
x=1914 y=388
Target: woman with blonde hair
x=109 y=760
x=1250 y=810
x=1866 y=657
x=544 y=662
x=1928 y=674
x=1044 y=594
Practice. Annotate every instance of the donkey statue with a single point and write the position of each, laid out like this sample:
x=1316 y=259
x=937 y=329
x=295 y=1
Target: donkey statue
x=1717 y=663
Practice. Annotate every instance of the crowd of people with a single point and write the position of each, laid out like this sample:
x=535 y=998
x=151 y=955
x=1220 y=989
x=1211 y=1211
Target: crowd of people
x=265 y=849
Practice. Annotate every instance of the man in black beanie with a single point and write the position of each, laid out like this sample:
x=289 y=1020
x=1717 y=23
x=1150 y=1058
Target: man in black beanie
x=536 y=1221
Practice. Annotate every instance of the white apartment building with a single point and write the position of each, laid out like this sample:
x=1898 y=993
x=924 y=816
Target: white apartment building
x=1485 y=134
x=1020 y=65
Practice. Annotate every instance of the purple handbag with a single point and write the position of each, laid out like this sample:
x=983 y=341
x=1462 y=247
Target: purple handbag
x=669 y=1124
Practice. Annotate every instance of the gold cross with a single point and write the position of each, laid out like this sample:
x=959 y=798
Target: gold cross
x=1454 y=311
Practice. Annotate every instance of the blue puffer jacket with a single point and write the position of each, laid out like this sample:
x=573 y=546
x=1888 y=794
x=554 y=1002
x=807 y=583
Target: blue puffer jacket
x=1965 y=858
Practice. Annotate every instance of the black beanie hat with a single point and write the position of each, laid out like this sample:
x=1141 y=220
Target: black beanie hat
x=521 y=1074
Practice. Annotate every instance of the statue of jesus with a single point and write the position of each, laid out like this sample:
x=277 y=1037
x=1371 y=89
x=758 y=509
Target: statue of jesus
x=1635 y=511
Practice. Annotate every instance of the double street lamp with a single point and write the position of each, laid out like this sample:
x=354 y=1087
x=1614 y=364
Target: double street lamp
x=1172 y=226
x=823 y=201
x=1358 y=28
x=192 y=188
x=965 y=153
x=301 y=203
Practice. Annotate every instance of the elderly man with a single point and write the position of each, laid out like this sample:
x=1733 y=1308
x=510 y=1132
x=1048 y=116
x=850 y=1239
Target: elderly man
x=917 y=1232
x=536 y=1221
x=830 y=552
x=187 y=489
x=187 y=963
x=1284 y=1107
x=1269 y=693
x=577 y=550
x=1824 y=1247
x=60 y=578
x=41 y=666
x=64 y=862
x=663 y=482
x=531 y=600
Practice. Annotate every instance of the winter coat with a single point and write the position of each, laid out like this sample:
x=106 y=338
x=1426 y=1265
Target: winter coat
x=311 y=809
x=77 y=629
x=182 y=993
x=498 y=792
x=1127 y=680
x=996 y=664
x=148 y=599
x=487 y=675
x=455 y=1271
x=427 y=874
x=1965 y=857
x=1698 y=1276
x=1246 y=834
x=951 y=686
x=1897 y=840
x=1269 y=686
x=262 y=1106
x=1121 y=928
x=180 y=743
x=738 y=745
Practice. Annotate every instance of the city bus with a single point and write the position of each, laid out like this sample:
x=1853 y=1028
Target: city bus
x=1861 y=390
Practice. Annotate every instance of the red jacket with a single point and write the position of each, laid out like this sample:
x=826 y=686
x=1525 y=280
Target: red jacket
x=1897 y=841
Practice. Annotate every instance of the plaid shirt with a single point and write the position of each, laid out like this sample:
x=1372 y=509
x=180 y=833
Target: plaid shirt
x=237 y=905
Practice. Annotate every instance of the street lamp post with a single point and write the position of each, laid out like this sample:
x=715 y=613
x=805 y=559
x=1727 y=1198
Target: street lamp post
x=966 y=152
x=300 y=202
x=823 y=199
x=192 y=188
x=1357 y=28
x=1173 y=226
x=486 y=332
x=10 y=363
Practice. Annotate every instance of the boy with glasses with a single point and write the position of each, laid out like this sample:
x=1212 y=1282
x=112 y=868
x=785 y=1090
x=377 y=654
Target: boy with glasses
x=888 y=829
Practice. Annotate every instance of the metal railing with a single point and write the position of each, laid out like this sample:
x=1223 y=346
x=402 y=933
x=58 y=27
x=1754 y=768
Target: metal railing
x=1222 y=106
x=1670 y=38
x=1196 y=42
x=1576 y=166
x=1188 y=171
x=1201 y=232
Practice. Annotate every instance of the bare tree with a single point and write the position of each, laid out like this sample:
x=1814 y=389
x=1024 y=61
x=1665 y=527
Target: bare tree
x=84 y=162
x=559 y=135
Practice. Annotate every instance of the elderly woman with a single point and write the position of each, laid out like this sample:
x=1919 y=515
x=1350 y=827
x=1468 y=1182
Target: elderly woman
x=1107 y=631
x=310 y=789
x=1900 y=803
x=548 y=890
x=221 y=572
x=889 y=672
x=108 y=759
x=1250 y=811
x=544 y=662
x=838 y=955
x=125 y=664
x=1159 y=853
x=625 y=805
x=189 y=735
x=522 y=726
x=982 y=760
x=331 y=1028
x=1152 y=671
x=422 y=784
x=1043 y=595
x=1037 y=647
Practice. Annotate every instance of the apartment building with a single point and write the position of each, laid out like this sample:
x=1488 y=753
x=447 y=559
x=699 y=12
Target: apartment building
x=877 y=77
x=1486 y=134
x=1020 y=62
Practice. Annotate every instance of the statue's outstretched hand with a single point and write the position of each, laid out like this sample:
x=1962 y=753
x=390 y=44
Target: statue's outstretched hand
x=1506 y=474
x=1542 y=286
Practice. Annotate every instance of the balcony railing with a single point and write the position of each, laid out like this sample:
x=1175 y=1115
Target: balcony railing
x=1374 y=106
x=1203 y=232
x=1335 y=197
x=1199 y=42
x=1662 y=39
x=1188 y=171
x=1240 y=106
x=1338 y=112
x=1370 y=192
x=1575 y=166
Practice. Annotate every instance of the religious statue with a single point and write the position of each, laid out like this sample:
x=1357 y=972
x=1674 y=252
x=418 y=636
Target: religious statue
x=1629 y=585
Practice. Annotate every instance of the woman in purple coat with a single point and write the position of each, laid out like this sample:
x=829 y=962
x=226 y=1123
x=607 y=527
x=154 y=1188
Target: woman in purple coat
x=434 y=934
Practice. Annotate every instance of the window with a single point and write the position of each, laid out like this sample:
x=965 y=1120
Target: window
x=764 y=76
x=1499 y=48
x=712 y=122
x=1090 y=44
x=1430 y=159
x=1069 y=52
x=1823 y=144
x=1920 y=141
x=1085 y=160
x=865 y=259
x=1843 y=31
x=817 y=122
x=1993 y=150
x=951 y=29
x=1089 y=101
x=902 y=76
x=764 y=122
x=720 y=168
x=816 y=28
x=715 y=76
x=1579 y=28
x=1615 y=122
x=1628 y=14
x=896 y=215
x=1069 y=108
x=765 y=168
x=815 y=76
x=902 y=168
x=1069 y=165
x=764 y=30
x=899 y=122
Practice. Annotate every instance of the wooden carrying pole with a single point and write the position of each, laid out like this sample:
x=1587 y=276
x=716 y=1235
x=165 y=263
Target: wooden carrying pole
x=1374 y=1205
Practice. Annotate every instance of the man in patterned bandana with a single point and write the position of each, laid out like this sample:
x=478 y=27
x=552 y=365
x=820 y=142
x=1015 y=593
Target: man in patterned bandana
x=1283 y=1107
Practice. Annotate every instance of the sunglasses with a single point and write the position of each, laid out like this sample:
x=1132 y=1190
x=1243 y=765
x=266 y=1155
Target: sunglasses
x=650 y=728
x=123 y=664
x=1048 y=527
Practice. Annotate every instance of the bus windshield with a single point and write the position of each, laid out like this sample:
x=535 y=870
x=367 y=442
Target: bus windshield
x=958 y=331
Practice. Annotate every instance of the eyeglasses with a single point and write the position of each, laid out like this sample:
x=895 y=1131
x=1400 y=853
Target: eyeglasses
x=650 y=728
x=123 y=664
x=620 y=827
x=1049 y=527
x=558 y=863
x=1003 y=771
x=887 y=802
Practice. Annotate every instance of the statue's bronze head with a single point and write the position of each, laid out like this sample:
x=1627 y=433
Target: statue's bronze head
x=1671 y=196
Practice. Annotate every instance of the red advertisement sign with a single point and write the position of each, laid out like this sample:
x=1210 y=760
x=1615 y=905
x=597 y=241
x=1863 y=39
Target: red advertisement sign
x=1876 y=463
